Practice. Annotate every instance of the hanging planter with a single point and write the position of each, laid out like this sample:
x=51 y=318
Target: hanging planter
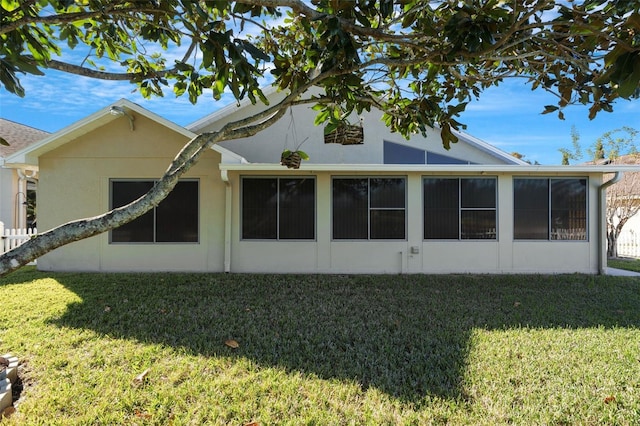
x=292 y=159
x=346 y=134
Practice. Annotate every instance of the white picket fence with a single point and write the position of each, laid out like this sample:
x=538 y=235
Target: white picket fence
x=629 y=245
x=11 y=238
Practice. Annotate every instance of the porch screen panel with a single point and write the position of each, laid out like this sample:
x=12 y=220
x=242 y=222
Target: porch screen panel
x=259 y=208
x=531 y=209
x=350 y=208
x=141 y=229
x=568 y=209
x=387 y=208
x=297 y=209
x=177 y=215
x=478 y=208
x=478 y=225
x=441 y=207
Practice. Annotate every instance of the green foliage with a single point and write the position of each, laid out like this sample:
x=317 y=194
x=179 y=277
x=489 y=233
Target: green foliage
x=611 y=145
x=420 y=62
x=287 y=153
x=626 y=264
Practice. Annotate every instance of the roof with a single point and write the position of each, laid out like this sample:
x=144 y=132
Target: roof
x=18 y=135
x=629 y=183
x=28 y=156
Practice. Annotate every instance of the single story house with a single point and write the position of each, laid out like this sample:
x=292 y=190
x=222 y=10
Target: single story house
x=386 y=205
x=17 y=184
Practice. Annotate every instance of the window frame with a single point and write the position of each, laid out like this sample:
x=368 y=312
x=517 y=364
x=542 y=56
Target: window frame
x=277 y=179
x=461 y=209
x=153 y=212
x=369 y=208
x=550 y=209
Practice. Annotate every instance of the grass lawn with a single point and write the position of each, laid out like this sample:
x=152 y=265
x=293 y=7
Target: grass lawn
x=628 y=264
x=457 y=349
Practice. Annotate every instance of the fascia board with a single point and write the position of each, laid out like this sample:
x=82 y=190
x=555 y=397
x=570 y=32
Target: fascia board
x=488 y=148
x=523 y=170
x=30 y=154
x=227 y=110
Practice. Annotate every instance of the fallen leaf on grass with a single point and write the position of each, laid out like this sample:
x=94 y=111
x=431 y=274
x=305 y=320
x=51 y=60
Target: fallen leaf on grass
x=516 y=304
x=142 y=415
x=232 y=344
x=140 y=378
x=609 y=399
x=252 y=424
x=7 y=412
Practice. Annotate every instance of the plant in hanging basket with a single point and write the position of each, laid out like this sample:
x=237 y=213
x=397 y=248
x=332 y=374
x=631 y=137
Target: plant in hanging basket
x=345 y=134
x=292 y=159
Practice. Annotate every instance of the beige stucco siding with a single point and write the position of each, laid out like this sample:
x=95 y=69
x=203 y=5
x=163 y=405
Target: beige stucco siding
x=74 y=183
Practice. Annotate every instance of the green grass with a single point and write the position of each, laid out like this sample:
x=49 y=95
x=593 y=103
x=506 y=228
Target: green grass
x=459 y=349
x=628 y=264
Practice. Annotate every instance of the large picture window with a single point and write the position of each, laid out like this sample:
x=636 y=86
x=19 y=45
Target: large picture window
x=278 y=208
x=174 y=220
x=369 y=208
x=459 y=208
x=550 y=209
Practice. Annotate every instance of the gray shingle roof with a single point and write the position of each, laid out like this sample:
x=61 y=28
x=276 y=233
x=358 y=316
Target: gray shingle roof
x=18 y=136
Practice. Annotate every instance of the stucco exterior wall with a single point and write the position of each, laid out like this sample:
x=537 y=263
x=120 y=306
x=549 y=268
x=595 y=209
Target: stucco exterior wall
x=74 y=183
x=8 y=185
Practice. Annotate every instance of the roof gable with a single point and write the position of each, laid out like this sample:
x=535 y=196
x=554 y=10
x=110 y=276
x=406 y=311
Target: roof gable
x=266 y=146
x=122 y=109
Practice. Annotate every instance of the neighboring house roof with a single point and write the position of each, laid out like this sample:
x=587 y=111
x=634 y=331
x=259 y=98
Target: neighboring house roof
x=18 y=136
x=29 y=155
x=630 y=182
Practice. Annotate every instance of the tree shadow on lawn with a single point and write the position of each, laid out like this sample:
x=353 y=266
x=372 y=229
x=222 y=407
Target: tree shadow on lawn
x=407 y=336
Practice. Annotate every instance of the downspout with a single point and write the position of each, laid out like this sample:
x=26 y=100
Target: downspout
x=20 y=209
x=227 y=219
x=602 y=200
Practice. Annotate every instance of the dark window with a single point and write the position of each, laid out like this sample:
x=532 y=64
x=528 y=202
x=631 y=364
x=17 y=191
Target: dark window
x=531 y=209
x=550 y=209
x=369 y=208
x=395 y=153
x=174 y=220
x=435 y=158
x=459 y=208
x=278 y=208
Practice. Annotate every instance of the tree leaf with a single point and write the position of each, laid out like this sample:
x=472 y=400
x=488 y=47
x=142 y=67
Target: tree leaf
x=232 y=344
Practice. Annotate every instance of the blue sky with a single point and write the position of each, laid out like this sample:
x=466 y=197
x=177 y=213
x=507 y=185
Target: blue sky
x=507 y=117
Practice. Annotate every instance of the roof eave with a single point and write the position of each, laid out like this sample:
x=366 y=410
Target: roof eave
x=435 y=168
x=30 y=154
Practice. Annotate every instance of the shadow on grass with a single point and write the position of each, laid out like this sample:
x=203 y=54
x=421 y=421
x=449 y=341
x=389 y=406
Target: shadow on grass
x=407 y=336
